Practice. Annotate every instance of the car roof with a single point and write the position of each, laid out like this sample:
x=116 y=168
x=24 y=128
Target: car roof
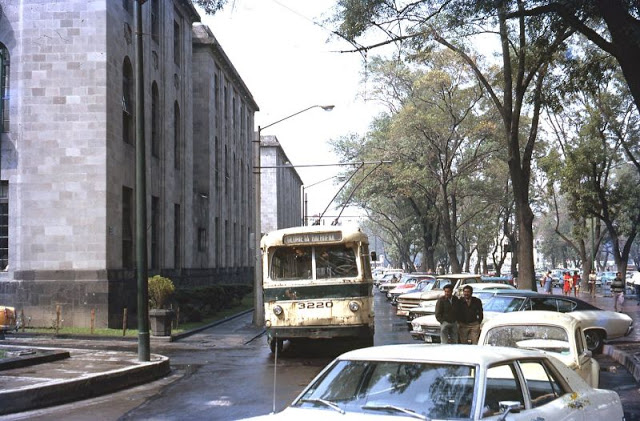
x=539 y=317
x=581 y=305
x=458 y=276
x=458 y=354
x=481 y=286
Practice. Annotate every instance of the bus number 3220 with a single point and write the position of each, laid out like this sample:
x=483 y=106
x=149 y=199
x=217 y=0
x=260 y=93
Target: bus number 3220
x=315 y=304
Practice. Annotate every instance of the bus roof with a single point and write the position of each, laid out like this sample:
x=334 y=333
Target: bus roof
x=315 y=234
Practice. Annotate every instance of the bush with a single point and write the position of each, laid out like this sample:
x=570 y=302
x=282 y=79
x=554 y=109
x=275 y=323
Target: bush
x=198 y=303
x=160 y=289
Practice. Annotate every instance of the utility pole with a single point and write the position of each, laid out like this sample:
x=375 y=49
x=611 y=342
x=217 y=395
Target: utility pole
x=144 y=353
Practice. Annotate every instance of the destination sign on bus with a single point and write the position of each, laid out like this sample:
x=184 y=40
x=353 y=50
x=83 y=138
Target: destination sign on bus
x=312 y=237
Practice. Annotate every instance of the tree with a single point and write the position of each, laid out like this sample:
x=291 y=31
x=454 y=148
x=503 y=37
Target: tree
x=596 y=160
x=211 y=6
x=527 y=46
x=612 y=25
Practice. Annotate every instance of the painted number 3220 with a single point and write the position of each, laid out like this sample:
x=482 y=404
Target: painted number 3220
x=315 y=304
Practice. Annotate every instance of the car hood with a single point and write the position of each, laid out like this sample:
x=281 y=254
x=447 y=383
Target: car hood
x=296 y=414
x=424 y=296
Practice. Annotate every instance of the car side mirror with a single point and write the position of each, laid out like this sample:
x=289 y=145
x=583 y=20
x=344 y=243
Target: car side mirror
x=374 y=256
x=507 y=407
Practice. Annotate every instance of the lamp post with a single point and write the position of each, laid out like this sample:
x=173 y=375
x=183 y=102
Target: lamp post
x=258 y=302
x=144 y=352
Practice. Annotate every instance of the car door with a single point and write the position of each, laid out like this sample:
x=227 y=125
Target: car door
x=588 y=368
x=547 y=395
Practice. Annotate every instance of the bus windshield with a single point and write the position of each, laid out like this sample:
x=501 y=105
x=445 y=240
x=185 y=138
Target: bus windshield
x=295 y=263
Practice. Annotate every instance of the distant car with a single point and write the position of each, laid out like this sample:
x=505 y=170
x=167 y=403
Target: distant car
x=599 y=325
x=8 y=319
x=422 y=322
x=429 y=306
x=420 y=283
x=450 y=382
x=406 y=302
x=556 y=334
x=605 y=278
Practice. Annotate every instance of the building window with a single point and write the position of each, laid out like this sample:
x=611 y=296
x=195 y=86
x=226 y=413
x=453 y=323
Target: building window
x=202 y=239
x=155 y=232
x=155 y=20
x=128 y=126
x=216 y=99
x=176 y=136
x=176 y=235
x=4 y=225
x=4 y=88
x=176 y=43
x=155 y=121
x=216 y=246
x=127 y=228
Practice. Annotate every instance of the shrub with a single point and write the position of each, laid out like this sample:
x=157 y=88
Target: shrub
x=160 y=289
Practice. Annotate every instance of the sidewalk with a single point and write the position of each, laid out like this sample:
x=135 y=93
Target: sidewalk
x=625 y=351
x=75 y=368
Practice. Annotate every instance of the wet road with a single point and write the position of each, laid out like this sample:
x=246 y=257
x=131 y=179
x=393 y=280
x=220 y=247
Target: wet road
x=227 y=373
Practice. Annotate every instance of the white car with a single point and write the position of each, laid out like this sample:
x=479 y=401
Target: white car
x=406 y=302
x=556 y=334
x=450 y=382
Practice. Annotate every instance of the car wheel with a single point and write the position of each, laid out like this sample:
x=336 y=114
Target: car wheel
x=275 y=343
x=595 y=341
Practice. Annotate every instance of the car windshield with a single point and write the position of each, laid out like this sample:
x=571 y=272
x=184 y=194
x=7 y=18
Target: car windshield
x=539 y=337
x=421 y=390
x=503 y=304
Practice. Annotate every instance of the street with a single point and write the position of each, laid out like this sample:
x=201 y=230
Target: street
x=227 y=373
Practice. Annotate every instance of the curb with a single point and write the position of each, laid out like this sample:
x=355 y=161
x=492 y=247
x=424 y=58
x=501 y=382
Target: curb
x=628 y=360
x=60 y=392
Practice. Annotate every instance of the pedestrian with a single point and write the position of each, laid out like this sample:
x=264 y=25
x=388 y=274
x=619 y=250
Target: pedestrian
x=566 y=287
x=617 y=289
x=469 y=317
x=592 y=283
x=447 y=315
x=547 y=282
x=576 y=283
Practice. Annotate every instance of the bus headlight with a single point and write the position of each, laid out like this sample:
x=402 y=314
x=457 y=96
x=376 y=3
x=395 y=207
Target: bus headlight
x=354 y=306
x=277 y=310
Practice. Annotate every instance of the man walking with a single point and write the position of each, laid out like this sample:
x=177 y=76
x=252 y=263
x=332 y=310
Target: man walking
x=469 y=317
x=447 y=315
x=617 y=289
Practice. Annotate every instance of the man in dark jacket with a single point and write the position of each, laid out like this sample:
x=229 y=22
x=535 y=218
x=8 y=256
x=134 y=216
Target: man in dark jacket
x=469 y=317
x=447 y=315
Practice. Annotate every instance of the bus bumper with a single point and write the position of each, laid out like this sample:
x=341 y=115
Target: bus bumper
x=321 y=332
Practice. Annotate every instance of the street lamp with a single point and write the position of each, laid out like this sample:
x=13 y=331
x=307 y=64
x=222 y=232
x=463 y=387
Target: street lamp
x=258 y=304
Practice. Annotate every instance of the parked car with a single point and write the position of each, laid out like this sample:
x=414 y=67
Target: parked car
x=7 y=319
x=450 y=382
x=556 y=334
x=420 y=283
x=422 y=322
x=605 y=278
x=388 y=283
x=599 y=325
x=406 y=302
x=429 y=306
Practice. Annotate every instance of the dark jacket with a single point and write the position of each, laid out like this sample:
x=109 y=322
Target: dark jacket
x=617 y=285
x=470 y=313
x=447 y=311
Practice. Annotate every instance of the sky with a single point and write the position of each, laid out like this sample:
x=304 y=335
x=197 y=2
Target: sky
x=289 y=63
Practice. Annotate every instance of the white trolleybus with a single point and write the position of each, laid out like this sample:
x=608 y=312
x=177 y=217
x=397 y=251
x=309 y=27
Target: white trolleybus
x=317 y=284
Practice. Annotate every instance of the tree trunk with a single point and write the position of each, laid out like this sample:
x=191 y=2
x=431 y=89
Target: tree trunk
x=625 y=36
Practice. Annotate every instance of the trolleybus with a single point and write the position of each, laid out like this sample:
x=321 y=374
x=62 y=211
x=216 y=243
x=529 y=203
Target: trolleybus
x=317 y=284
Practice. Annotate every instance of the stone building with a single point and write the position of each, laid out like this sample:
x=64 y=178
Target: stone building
x=67 y=197
x=280 y=188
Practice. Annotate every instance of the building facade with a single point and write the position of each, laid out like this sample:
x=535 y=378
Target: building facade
x=67 y=203
x=280 y=187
